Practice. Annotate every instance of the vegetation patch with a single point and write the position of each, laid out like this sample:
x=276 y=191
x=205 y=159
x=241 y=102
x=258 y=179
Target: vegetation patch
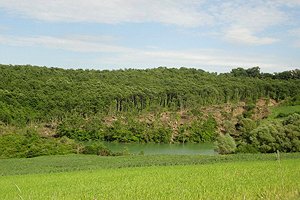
x=31 y=144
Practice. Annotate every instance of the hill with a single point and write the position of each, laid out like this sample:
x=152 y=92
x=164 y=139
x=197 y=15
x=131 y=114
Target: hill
x=152 y=105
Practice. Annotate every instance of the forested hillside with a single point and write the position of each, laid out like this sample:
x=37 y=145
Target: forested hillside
x=30 y=93
x=151 y=105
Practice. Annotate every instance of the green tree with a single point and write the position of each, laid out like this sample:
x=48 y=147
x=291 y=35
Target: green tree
x=225 y=144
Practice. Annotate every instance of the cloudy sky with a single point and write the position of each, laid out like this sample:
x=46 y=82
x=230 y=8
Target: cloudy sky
x=214 y=35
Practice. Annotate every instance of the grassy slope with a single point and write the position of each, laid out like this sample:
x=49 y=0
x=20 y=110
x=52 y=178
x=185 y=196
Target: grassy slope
x=234 y=180
x=284 y=109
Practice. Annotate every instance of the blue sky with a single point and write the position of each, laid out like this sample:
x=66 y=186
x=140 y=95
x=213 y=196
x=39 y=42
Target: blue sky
x=214 y=35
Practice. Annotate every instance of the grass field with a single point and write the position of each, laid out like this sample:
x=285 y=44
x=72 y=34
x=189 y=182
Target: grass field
x=286 y=110
x=234 y=180
x=244 y=176
x=68 y=163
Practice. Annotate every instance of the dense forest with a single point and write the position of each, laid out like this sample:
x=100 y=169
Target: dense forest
x=29 y=93
x=131 y=105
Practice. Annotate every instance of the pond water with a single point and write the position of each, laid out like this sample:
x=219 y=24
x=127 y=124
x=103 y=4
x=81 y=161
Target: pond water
x=174 y=149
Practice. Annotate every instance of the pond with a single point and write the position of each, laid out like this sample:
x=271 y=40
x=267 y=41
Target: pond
x=154 y=149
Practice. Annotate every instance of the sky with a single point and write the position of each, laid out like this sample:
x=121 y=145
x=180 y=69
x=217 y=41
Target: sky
x=214 y=35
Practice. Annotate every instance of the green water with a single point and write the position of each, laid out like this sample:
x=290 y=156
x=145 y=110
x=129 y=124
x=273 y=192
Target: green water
x=174 y=149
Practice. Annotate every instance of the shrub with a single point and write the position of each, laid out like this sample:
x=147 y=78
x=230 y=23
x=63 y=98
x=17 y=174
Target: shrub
x=31 y=144
x=203 y=131
x=292 y=119
x=78 y=134
x=270 y=136
x=246 y=148
x=249 y=110
x=225 y=144
x=97 y=148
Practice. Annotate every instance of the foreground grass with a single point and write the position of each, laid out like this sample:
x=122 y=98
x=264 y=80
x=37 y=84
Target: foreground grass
x=234 y=180
x=68 y=163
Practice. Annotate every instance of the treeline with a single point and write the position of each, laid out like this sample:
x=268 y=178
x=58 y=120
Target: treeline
x=39 y=94
x=254 y=72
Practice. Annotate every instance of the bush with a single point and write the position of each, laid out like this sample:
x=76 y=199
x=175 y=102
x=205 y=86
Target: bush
x=225 y=144
x=249 y=110
x=246 y=148
x=97 y=148
x=203 y=131
x=271 y=136
x=78 y=134
x=292 y=119
x=31 y=144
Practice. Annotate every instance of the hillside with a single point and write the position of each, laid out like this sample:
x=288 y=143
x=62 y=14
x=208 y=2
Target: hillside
x=165 y=105
x=29 y=93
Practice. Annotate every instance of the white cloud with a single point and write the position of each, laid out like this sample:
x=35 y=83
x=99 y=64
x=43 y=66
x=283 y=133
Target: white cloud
x=110 y=54
x=3 y=28
x=197 y=58
x=244 y=36
x=288 y=2
x=208 y=59
x=237 y=21
x=246 y=22
x=255 y=15
x=175 y=12
x=295 y=34
x=70 y=43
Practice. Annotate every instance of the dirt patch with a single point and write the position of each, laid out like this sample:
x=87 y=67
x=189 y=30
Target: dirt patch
x=262 y=108
x=221 y=113
x=109 y=120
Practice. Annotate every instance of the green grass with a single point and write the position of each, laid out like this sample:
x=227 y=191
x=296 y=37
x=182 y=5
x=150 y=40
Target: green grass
x=240 y=176
x=68 y=163
x=284 y=110
x=234 y=180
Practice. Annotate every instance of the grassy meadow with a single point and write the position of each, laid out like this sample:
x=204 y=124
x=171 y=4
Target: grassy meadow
x=284 y=110
x=152 y=177
x=238 y=180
